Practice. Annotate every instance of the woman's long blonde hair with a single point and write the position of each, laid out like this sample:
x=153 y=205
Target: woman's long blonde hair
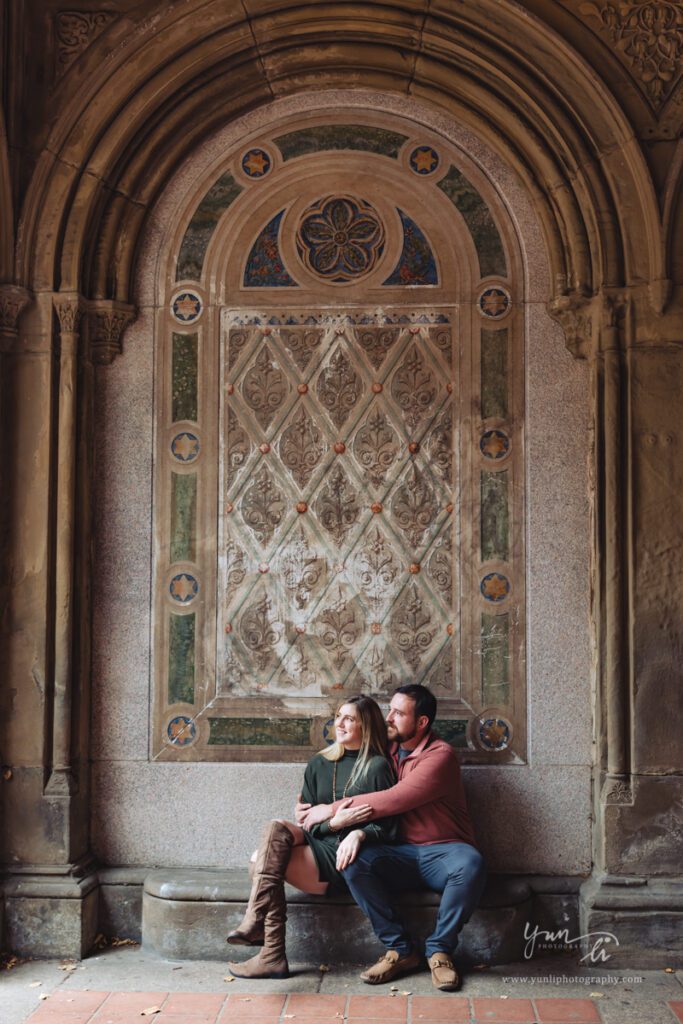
x=373 y=737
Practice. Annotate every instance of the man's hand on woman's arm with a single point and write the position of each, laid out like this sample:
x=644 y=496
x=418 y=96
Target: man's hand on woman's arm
x=347 y=816
x=308 y=815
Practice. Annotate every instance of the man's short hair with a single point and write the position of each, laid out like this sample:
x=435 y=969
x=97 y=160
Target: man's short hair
x=425 y=701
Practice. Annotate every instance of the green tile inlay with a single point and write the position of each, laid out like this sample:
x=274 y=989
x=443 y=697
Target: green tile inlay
x=183 y=516
x=495 y=660
x=202 y=226
x=494 y=374
x=340 y=136
x=260 y=732
x=495 y=517
x=184 y=377
x=181 y=658
x=477 y=216
x=452 y=730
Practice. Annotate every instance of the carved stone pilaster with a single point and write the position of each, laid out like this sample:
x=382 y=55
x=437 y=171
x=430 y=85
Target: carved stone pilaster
x=13 y=301
x=575 y=317
x=108 y=321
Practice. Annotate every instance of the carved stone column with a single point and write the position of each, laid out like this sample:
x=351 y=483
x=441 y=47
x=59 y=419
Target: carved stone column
x=635 y=892
x=109 y=320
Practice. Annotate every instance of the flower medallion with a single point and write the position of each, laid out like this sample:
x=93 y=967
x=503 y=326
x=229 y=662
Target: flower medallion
x=185 y=447
x=494 y=303
x=256 y=163
x=340 y=238
x=495 y=587
x=494 y=733
x=183 y=588
x=186 y=307
x=181 y=731
x=494 y=444
x=424 y=160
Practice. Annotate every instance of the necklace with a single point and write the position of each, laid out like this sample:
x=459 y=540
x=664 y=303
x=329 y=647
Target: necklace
x=334 y=783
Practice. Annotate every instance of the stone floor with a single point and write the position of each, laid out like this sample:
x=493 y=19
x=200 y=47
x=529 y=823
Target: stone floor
x=116 y=986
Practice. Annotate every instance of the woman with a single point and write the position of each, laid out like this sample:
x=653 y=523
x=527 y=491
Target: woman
x=313 y=861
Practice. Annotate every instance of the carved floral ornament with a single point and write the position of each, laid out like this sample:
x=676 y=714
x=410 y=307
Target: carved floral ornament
x=649 y=38
x=13 y=301
x=75 y=32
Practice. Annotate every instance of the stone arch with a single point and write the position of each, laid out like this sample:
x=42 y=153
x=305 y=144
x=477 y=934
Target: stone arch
x=116 y=144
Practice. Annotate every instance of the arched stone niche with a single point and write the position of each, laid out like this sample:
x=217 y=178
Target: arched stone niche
x=540 y=781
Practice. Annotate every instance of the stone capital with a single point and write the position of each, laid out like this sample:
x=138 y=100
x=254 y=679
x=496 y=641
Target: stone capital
x=13 y=301
x=108 y=321
x=69 y=309
x=575 y=316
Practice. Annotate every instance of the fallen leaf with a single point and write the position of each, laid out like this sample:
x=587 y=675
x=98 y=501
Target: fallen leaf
x=246 y=999
x=504 y=997
x=177 y=969
x=124 y=942
x=668 y=970
x=228 y=977
x=393 y=988
x=35 y=984
x=150 y=1010
x=68 y=967
x=324 y=968
x=406 y=993
x=596 y=995
x=43 y=995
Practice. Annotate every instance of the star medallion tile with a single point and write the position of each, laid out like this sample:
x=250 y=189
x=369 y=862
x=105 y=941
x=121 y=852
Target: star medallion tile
x=424 y=160
x=186 y=307
x=183 y=588
x=185 y=447
x=256 y=163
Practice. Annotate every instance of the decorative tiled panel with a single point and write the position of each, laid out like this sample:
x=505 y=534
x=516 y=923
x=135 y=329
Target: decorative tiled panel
x=181 y=658
x=183 y=516
x=495 y=657
x=337 y=517
x=340 y=137
x=494 y=374
x=185 y=383
x=479 y=220
x=417 y=264
x=202 y=226
x=265 y=266
x=495 y=525
x=260 y=732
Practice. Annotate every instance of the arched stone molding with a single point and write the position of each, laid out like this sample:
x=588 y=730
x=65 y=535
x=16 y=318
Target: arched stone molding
x=577 y=156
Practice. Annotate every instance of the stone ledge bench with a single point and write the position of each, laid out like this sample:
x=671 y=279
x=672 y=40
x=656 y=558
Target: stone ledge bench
x=186 y=915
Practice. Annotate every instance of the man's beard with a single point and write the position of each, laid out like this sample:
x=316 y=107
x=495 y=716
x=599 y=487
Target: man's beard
x=398 y=737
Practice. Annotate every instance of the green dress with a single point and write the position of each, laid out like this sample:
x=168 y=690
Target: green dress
x=317 y=789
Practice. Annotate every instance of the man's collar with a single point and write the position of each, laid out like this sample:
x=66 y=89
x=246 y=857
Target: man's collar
x=418 y=749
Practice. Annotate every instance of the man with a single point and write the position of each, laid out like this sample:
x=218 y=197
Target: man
x=436 y=848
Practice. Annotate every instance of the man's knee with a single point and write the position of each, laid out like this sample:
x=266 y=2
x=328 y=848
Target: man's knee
x=364 y=864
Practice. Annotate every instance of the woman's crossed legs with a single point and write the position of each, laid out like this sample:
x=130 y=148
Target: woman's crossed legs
x=302 y=870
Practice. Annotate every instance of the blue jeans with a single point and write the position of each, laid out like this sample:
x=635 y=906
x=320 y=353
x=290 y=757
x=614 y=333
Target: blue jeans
x=455 y=869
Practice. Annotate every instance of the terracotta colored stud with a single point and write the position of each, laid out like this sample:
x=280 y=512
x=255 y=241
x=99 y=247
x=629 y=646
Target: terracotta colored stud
x=339 y=447
x=267 y=330
x=414 y=447
x=449 y=388
x=263 y=567
x=300 y=630
x=228 y=627
x=301 y=507
x=450 y=629
x=449 y=507
x=264 y=448
x=414 y=568
x=230 y=389
x=414 y=330
x=376 y=628
x=302 y=388
x=376 y=507
x=229 y=507
x=339 y=567
x=377 y=387
x=339 y=330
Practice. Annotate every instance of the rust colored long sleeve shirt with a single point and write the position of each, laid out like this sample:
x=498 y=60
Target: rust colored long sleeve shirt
x=429 y=796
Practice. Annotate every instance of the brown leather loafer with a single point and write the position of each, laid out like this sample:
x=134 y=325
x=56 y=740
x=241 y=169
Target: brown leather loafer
x=444 y=974
x=390 y=966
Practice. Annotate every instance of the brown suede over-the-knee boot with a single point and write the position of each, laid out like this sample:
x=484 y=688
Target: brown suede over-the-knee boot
x=271 y=960
x=269 y=871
